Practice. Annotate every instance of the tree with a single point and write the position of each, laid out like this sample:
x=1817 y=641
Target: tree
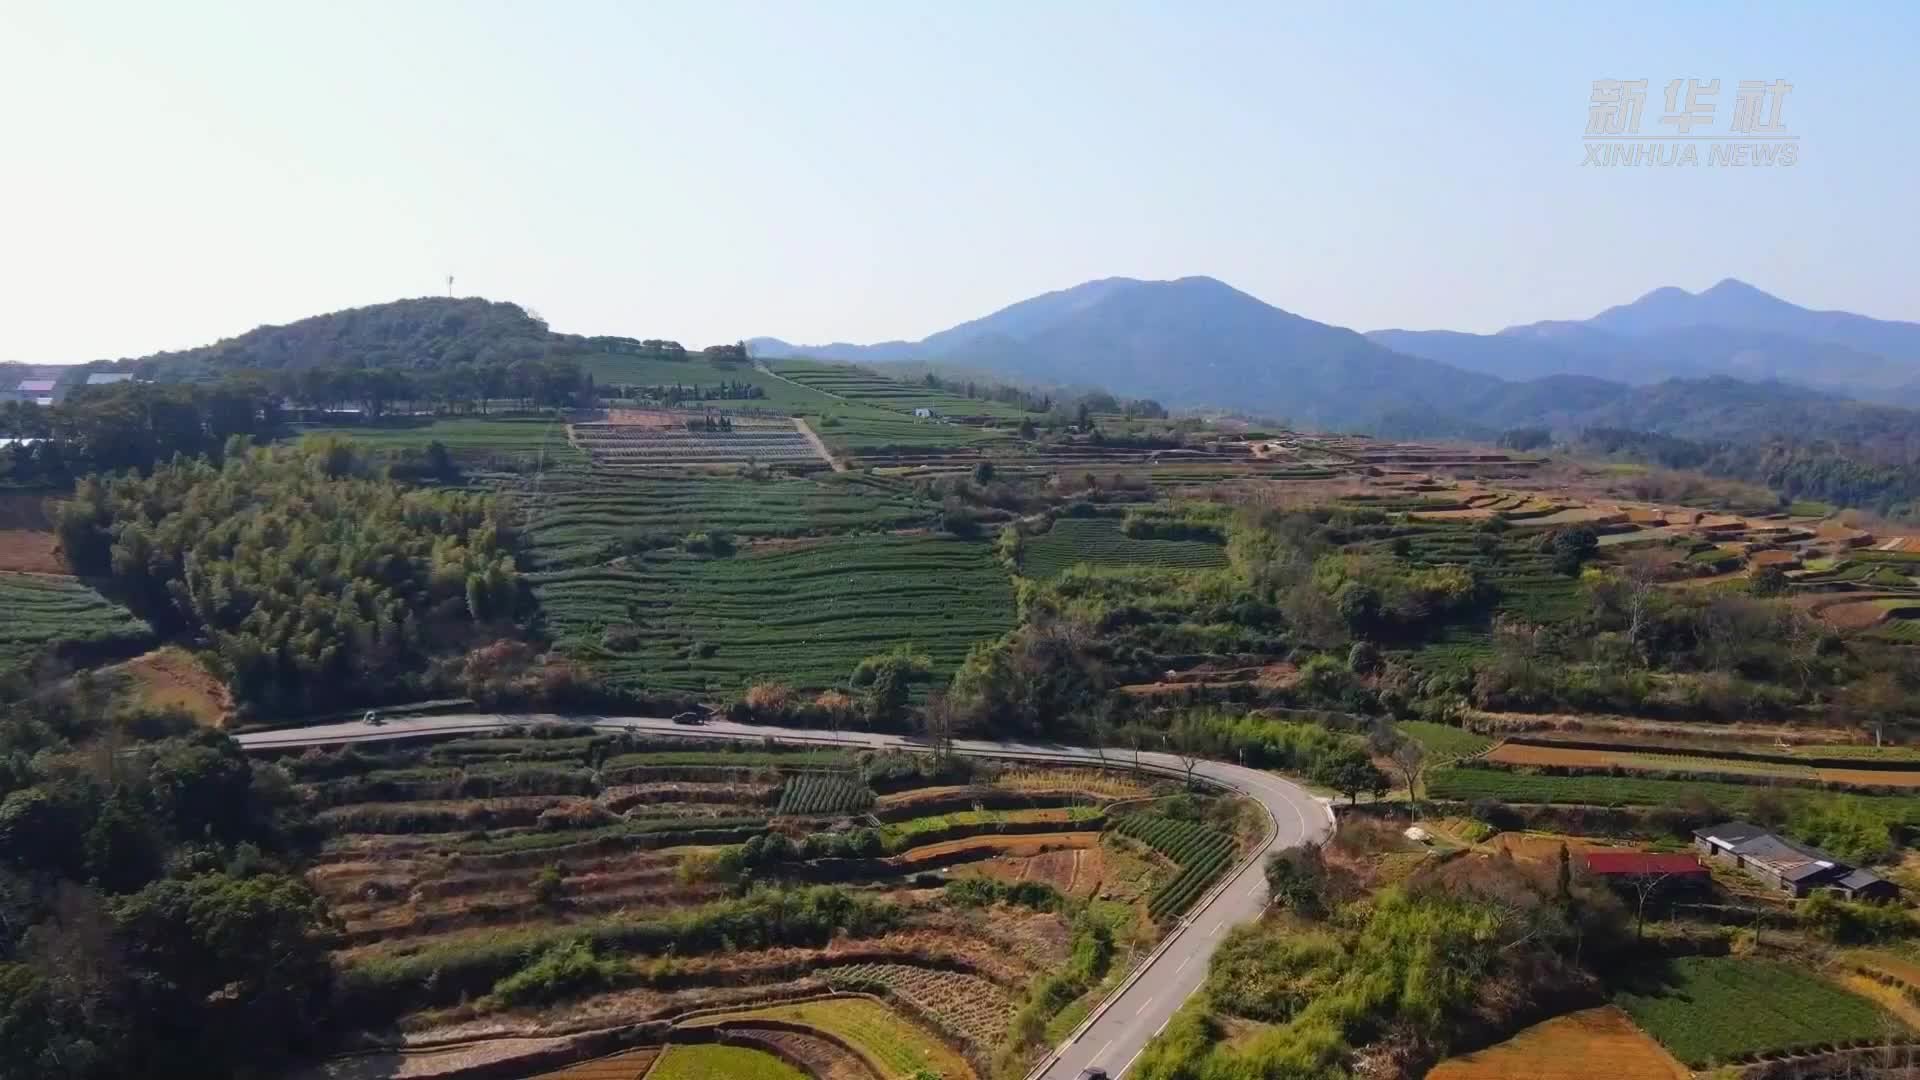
x=1185 y=740
x=1643 y=887
x=1348 y=771
x=1410 y=761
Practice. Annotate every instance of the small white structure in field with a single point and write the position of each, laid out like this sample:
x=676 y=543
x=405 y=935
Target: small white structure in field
x=924 y=414
x=1419 y=835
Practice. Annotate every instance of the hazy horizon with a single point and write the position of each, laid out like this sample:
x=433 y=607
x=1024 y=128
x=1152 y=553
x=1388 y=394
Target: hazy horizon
x=866 y=173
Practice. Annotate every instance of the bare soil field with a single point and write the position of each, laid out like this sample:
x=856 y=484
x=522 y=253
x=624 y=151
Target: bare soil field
x=172 y=678
x=30 y=551
x=981 y=847
x=1577 y=1046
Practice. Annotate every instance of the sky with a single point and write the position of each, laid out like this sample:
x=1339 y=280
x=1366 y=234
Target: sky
x=176 y=173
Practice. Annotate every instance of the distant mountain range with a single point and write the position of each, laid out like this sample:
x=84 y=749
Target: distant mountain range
x=1728 y=362
x=1731 y=329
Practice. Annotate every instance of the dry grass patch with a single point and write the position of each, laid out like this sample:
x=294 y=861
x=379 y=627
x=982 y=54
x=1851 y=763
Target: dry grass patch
x=894 y=1045
x=1577 y=1046
x=629 y=1065
x=983 y=847
x=173 y=678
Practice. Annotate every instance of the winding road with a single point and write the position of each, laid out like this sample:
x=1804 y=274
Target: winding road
x=1120 y=1027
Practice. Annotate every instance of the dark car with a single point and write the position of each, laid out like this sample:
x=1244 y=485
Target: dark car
x=1093 y=1074
x=690 y=717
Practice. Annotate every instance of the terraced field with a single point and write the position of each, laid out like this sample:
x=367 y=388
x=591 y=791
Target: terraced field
x=1467 y=784
x=1100 y=542
x=579 y=518
x=859 y=384
x=897 y=1046
x=713 y=1061
x=1718 y=1008
x=502 y=441
x=44 y=611
x=803 y=615
x=778 y=394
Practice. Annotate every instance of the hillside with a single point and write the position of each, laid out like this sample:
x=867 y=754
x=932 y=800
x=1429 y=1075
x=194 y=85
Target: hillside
x=1195 y=342
x=423 y=334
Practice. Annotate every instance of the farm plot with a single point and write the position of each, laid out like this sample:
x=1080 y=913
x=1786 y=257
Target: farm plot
x=804 y=615
x=866 y=430
x=46 y=612
x=860 y=384
x=1723 y=1008
x=629 y=1065
x=713 y=1061
x=697 y=375
x=900 y=835
x=1201 y=853
x=1588 y=1043
x=1643 y=761
x=824 y=793
x=967 y=1006
x=579 y=518
x=1442 y=741
x=625 y=446
x=519 y=442
x=1467 y=784
x=1100 y=542
x=888 y=1040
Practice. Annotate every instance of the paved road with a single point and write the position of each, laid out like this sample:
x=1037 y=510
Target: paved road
x=1128 y=1020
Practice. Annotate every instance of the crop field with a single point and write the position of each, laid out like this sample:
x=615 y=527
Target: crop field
x=713 y=1061
x=631 y=446
x=804 y=615
x=517 y=441
x=43 y=611
x=1099 y=542
x=1524 y=577
x=579 y=518
x=1644 y=761
x=864 y=429
x=824 y=793
x=1443 y=741
x=628 y=1065
x=1589 y=1043
x=1201 y=853
x=780 y=395
x=916 y=832
x=972 y=1008
x=859 y=384
x=1600 y=790
x=898 y=1046
x=1722 y=1008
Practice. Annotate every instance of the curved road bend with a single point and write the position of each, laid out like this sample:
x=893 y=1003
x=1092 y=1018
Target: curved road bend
x=1123 y=1025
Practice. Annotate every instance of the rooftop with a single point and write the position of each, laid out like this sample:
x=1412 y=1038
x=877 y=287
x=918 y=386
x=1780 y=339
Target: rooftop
x=1642 y=862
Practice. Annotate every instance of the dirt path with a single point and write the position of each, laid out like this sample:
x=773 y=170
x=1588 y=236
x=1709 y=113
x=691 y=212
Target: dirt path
x=800 y=425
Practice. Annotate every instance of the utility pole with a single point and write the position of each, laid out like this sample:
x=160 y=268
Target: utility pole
x=449 y=286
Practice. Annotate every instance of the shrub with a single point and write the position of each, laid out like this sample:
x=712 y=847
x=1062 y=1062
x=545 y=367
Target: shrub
x=562 y=971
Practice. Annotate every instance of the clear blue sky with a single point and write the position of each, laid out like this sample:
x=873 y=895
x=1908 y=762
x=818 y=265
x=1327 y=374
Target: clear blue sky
x=173 y=173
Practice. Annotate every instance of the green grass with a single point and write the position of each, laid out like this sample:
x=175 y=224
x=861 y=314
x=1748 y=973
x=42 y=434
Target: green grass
x=575 y=515
x=1443 y=740
x=853 y=427
x=1599 y=790
x=804 y=615
x=714 y=1061
x=902 y=834
x=1809 y=508
x=44 y=611
x=880 y=1035
x=1718 y=1008
x=1100 y=542
x=471 y=440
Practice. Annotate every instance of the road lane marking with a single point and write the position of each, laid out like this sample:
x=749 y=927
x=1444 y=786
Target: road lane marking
x=1103 y=1050
x=1143 y=1006
x=1183 y=964
x=1216 y=928
x=1129 y=1064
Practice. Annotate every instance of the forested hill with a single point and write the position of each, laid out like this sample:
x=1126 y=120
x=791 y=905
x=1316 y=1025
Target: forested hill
x=428 y=333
